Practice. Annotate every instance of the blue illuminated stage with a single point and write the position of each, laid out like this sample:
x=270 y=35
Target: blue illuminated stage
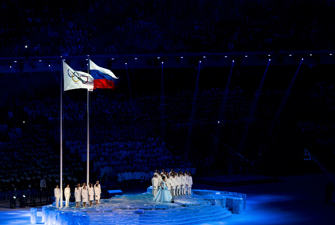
x=204 y=206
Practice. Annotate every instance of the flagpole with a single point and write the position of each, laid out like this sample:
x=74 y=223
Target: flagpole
x=61 y=137
x=88 y=127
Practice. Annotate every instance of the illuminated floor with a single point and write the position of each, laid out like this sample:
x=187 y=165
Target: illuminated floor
x=297 y=200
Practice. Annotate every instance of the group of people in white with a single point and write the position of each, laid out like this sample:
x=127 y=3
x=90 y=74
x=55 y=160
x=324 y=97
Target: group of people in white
x=84 y=194
x=177 y=183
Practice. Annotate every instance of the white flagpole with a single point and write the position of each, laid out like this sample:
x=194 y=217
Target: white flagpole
x=61 y=137
x=88 y=128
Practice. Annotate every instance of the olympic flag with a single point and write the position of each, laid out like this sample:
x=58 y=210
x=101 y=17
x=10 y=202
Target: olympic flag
x=76 y=79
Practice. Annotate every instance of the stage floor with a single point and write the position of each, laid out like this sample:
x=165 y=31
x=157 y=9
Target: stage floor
x=296 y=200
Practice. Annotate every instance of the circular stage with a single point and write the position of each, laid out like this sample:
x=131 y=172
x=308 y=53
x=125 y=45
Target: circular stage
x=201 y=208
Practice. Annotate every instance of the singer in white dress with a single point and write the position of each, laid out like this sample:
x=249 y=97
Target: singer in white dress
x=91 y=194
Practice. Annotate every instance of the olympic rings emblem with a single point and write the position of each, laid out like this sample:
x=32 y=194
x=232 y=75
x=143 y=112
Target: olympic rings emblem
x=75 y=75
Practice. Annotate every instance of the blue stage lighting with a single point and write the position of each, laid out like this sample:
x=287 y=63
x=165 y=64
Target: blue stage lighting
x=269 y=59
x=158 y=57
x=225 y=56
x=302 y=58
x=112 y=58
x=49 y=65
x=204 y=57
x=233 y=60
x=246 y=56
x=181 y=57
x=135 y=58
x=10 y=66
x=15 y=61
x=330 y=53
x=40 y=60
x=269 y=55
x=290 y=55
x=310 y=54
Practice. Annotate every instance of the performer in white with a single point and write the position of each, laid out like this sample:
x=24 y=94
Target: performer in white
x=154 y=184
x=57 y=196
x=77 y=195
x=67 y=194
x=84 y=194
x=97 y=191
x=185 y=187
x=173 y=185
x=190 y=184
x=91 y=194
x=168 y=183
x=180 y=182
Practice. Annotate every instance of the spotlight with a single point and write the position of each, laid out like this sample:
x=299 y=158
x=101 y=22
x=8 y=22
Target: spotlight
x=269 y=59
x=233 y=60
x=135 y=58
x=40 y=60
x=302 y=59
x=26 y=46
x=290 y=55
x=125 y=63
x=162 y=62
x=112 y=58
x=225 y=56
x=269 y=55
x=199 y=61
x=218 y=121
x=246 y=56
x=330 y=53
x=15 y=61
x=204 y=57
x=158 y=57
x=24 y=122
x=310 y=54
x=181 y=57
x=10 y=66
x=49 y=65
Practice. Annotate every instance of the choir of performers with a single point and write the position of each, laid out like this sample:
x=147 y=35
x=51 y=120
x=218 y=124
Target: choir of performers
x=176 y=183
x=84 y=194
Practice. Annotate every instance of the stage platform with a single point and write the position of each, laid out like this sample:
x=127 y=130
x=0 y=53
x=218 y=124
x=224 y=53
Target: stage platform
x=236 y=180
x=204 y=207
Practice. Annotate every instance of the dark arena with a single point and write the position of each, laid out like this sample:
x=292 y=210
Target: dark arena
x=167 y=112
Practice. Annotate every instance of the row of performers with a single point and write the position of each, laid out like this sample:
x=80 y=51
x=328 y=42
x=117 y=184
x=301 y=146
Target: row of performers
x=177 y=183
x=82 y=194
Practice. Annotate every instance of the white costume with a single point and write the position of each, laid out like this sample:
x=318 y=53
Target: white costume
x=97 y=191
x=190 y=185
x=179 y=185
x=84 y=194
x=184 y=184
x=91 y=194
x=57 y=196
x=67 y=194
x=172 y=185
x=154 y=183
x=77 y=195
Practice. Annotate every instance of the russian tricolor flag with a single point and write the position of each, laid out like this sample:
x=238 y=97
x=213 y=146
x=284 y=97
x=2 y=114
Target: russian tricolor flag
x=103 y=78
